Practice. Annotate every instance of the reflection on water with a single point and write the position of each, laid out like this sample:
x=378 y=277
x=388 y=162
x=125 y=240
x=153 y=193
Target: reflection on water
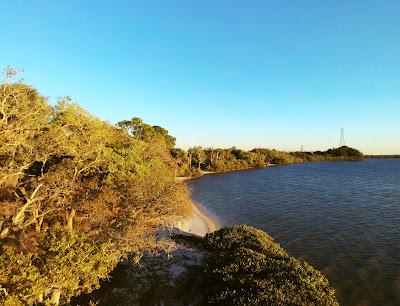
x=343 y=218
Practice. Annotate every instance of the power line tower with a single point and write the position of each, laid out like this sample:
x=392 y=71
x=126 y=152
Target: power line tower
x=342 y=141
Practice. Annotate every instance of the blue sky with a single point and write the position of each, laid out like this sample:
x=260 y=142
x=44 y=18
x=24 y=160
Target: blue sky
x=220 y=73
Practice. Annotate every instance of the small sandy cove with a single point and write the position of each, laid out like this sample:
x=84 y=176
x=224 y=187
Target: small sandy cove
x=201 y=222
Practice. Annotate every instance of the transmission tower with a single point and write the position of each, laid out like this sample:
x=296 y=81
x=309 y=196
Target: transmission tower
x=342 y=141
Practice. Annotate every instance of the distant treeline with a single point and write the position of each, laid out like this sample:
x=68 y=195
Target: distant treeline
x=383 y=156
x=198 y=159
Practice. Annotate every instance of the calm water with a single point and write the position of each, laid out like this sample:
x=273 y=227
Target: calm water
x=343 y=218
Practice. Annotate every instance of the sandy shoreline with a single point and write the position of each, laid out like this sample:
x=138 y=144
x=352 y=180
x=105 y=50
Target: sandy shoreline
x=201 y=222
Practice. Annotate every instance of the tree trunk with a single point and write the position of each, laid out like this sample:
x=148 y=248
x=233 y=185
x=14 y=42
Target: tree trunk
x=4 y=232
x=75 y=174
x=18 y=219
x=199 y=158
x=70 y=220
x=55 y=297
x=39 y=224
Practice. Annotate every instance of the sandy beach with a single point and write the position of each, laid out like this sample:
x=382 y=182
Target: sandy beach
x=201 y=222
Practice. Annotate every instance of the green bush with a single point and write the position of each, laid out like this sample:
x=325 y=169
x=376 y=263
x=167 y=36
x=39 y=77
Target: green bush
x=77 y=195
x=246 y=267
x=345 y=152
x=243 y=236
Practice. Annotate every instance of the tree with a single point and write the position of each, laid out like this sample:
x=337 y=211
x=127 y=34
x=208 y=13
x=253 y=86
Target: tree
x=147 y=133
x=345 y=151
x=198 y=155
x=76 y=195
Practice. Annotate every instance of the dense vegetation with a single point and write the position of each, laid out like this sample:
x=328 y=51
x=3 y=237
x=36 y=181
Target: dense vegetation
x=77 y=194
x=246 y=267
x=241 y=266
x=383 y=156
x=210 y=159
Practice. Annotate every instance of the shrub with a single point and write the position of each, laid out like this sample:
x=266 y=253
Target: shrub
x=195 y=172
x=243 y=236
x=246 y=267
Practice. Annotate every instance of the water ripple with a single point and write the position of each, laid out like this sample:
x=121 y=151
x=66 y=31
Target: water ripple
x=343 y=218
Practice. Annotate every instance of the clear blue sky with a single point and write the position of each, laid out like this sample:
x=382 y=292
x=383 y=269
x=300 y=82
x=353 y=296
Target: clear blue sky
x=220 y=73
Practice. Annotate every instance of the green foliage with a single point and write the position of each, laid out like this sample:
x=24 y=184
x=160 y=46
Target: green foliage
x=383 y=156
x=71 y=263
x=221 y=160
x=345 y=152
x=76 y=195
x=243 y=237
x=147 y=133
x=246 y=267
x=197 y=156
x=277 y=157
